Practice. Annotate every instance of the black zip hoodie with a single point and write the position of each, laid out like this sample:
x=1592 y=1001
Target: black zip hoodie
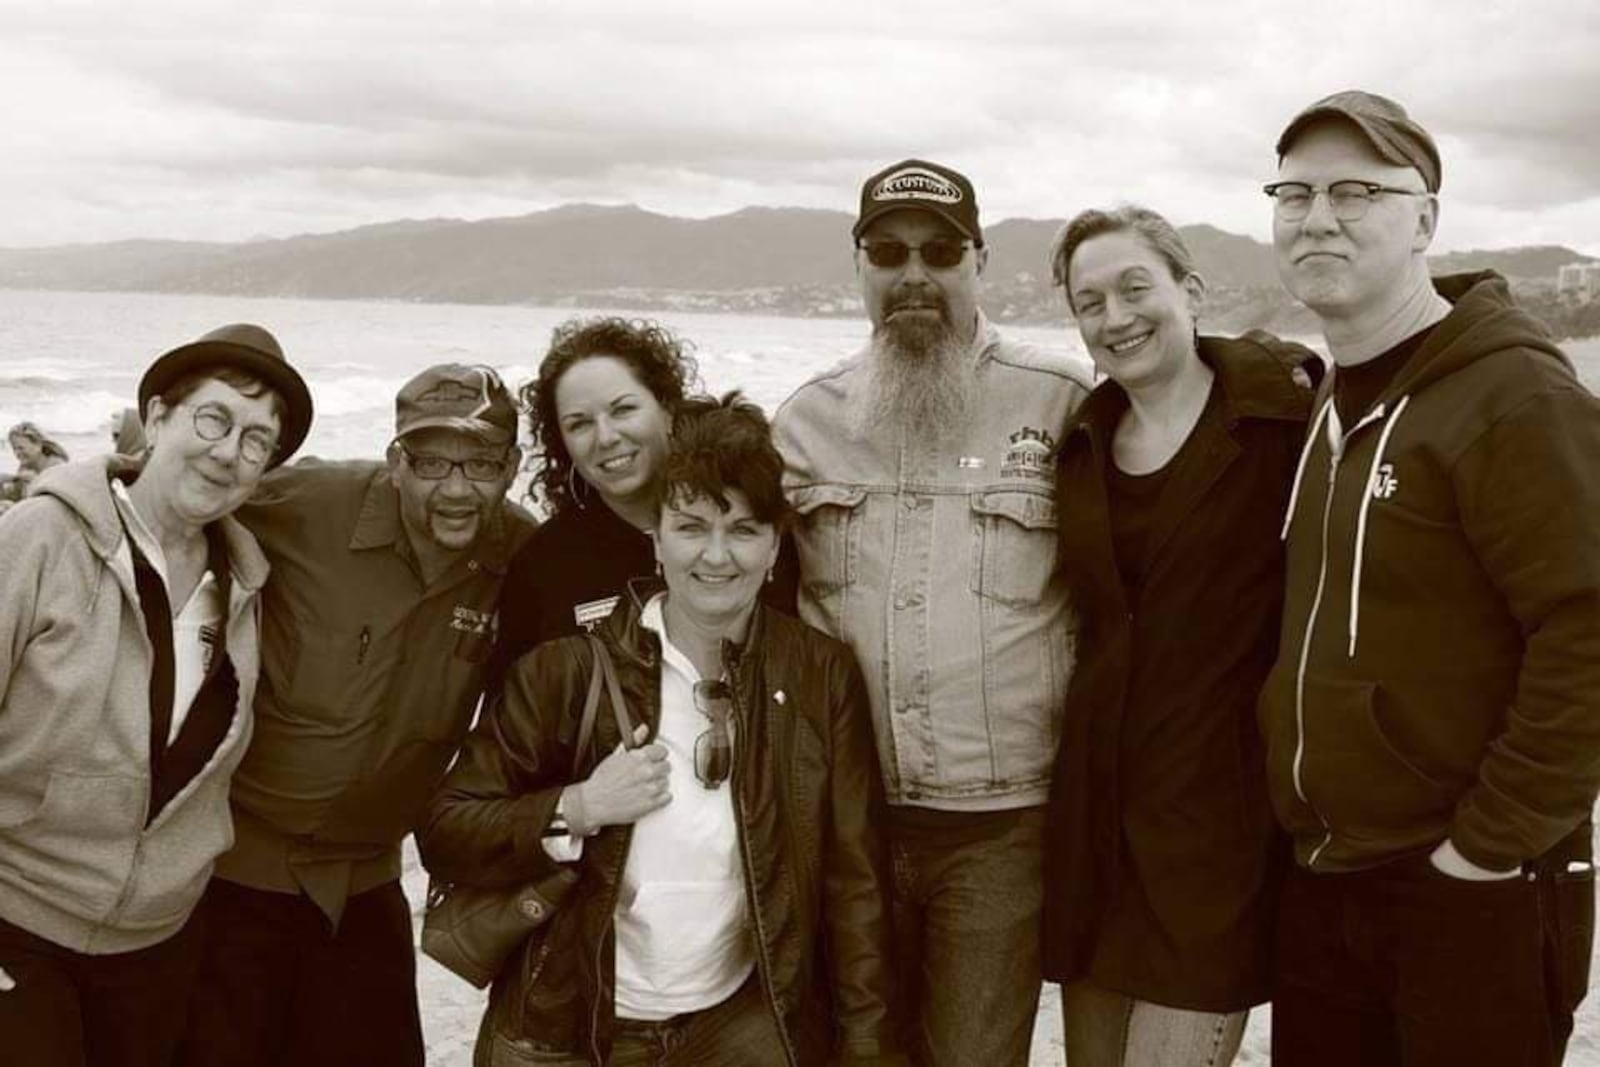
x=1439 y=668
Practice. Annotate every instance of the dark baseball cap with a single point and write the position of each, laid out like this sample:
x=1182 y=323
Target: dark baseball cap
x=456 y=396
x=1393 y=134
x=917 y=185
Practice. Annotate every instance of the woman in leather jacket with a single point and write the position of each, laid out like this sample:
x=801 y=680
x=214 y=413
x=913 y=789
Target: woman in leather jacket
x=714 y=864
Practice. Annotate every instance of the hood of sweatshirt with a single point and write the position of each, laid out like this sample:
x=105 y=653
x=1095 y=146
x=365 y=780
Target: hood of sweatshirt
x=84 y=488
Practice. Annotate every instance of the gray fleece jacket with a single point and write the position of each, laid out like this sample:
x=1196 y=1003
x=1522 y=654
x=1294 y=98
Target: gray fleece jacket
x=78 y=865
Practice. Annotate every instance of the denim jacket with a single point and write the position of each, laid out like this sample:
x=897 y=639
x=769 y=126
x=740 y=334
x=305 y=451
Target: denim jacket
x=936 y=567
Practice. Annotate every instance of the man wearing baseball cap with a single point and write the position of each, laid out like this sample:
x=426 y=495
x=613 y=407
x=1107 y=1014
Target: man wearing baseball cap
x=376 y=629
x=1433 y=721
x=922 y=470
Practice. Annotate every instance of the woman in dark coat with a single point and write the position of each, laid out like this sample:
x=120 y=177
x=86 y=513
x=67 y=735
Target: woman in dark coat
x=1172 y=481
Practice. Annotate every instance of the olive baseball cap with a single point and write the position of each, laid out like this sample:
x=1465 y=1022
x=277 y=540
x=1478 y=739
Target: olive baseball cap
x=469 y=398
x=1393 y=134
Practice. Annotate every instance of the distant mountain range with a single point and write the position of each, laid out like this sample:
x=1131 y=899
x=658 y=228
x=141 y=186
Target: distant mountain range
x=779 y=260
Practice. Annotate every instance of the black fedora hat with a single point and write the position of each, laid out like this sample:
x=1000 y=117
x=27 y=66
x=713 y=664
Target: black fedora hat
x=251 y=349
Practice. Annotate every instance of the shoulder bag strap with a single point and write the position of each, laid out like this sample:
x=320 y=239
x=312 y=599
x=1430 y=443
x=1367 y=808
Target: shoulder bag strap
x=619 y=708
x=591 y=707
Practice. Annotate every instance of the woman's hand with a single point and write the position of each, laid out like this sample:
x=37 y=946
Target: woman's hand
x=627 y=784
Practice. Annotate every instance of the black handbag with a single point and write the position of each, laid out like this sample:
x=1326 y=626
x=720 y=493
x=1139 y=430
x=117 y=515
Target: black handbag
x=472 y=931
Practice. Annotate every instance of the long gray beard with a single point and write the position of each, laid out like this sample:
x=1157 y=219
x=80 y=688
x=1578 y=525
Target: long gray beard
x=921 y=382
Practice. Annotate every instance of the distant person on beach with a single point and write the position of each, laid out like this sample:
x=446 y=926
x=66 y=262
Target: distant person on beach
x=731 y=892
x=923 y=473
x=128 y=620
x=377 y=628
x=600 y=409
x=1433 y=720
x=34 y=451
x=1161 y=854
x=127 y=433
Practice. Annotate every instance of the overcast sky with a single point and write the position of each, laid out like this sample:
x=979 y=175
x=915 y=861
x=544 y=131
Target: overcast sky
x=224 y=121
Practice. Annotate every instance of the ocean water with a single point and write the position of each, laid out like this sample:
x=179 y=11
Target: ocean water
x=68 y=361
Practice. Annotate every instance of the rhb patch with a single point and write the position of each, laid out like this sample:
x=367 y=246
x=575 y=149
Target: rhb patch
x=1028 y=455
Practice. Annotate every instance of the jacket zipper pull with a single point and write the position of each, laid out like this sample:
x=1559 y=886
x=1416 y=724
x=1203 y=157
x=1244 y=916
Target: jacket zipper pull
x=366 y=642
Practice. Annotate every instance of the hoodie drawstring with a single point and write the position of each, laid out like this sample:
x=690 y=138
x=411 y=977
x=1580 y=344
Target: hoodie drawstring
x=1371 y=487
x=1300 y=469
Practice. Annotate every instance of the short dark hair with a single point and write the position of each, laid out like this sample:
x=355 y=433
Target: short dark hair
x=663 y=364
x=241 y=381
x=1157 y=232
x=723 y=445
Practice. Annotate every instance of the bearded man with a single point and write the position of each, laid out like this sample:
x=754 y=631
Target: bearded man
x=923 y=473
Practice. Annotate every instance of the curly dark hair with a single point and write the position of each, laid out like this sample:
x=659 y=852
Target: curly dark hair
x=662 y=362
x=725 y=444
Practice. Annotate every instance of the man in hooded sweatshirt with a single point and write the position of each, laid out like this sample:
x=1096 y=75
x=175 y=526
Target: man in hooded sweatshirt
x=1433 y=720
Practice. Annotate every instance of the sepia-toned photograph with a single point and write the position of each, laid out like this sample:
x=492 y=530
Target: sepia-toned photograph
x=604 y=534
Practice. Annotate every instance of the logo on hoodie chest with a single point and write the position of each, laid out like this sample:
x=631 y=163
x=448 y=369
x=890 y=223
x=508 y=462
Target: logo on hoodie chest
x=1384 y=483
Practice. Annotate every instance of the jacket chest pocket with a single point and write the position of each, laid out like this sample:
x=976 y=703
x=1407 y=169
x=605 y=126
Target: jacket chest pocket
x=1013 y=545
x=828 y=535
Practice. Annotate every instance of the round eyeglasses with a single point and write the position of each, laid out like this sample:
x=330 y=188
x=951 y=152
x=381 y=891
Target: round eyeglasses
x=213 y=422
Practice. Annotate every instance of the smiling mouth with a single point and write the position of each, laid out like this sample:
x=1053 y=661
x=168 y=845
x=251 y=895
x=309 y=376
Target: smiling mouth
x=1124 y=347
x=715 y=579
x=617 y=464
x=1308 y=256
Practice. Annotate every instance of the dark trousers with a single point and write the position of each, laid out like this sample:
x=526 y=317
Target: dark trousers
x=1404 y=965
x=70 y=1009
x=966 y=912
x=279 y=986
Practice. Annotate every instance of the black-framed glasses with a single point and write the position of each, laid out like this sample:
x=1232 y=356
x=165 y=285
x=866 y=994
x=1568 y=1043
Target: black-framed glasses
x=941 y=253
x=213 y=422
x=713 y=749
x=432 y=468
x=1348 y=199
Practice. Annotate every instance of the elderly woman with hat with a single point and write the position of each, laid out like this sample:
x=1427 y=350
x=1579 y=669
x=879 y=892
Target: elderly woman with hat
x=128 y=661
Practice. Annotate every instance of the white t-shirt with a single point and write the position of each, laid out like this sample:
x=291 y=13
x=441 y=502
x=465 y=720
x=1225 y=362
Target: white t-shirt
x=194 y=628
x=682 y=924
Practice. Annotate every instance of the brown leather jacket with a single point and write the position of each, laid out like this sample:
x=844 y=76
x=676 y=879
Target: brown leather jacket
x=807 y=797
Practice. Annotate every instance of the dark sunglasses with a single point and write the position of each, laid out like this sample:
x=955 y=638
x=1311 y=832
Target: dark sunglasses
x=941 y=253
x=713 y=749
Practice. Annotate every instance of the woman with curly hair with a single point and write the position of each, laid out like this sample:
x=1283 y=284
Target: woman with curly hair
x=600 y=409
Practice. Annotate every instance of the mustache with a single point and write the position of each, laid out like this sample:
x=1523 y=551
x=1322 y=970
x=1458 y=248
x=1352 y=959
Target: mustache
x=904 y=298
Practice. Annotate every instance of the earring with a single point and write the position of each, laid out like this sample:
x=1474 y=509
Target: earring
x=770 y=571
x=573 y=481
x=659 y=572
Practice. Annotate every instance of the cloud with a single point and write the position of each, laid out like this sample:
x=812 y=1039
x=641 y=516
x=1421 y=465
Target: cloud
x=221 y=121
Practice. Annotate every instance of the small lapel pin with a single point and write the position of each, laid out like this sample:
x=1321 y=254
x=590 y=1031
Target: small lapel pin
x=779 y=697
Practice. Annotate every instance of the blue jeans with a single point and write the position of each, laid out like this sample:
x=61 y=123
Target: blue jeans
x=739 y=1032
x=966 y=911
x=1106 y=1029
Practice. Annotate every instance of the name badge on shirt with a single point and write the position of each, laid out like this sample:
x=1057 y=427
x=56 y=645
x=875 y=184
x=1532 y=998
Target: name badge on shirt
x=472 y=621
x=591 y=613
